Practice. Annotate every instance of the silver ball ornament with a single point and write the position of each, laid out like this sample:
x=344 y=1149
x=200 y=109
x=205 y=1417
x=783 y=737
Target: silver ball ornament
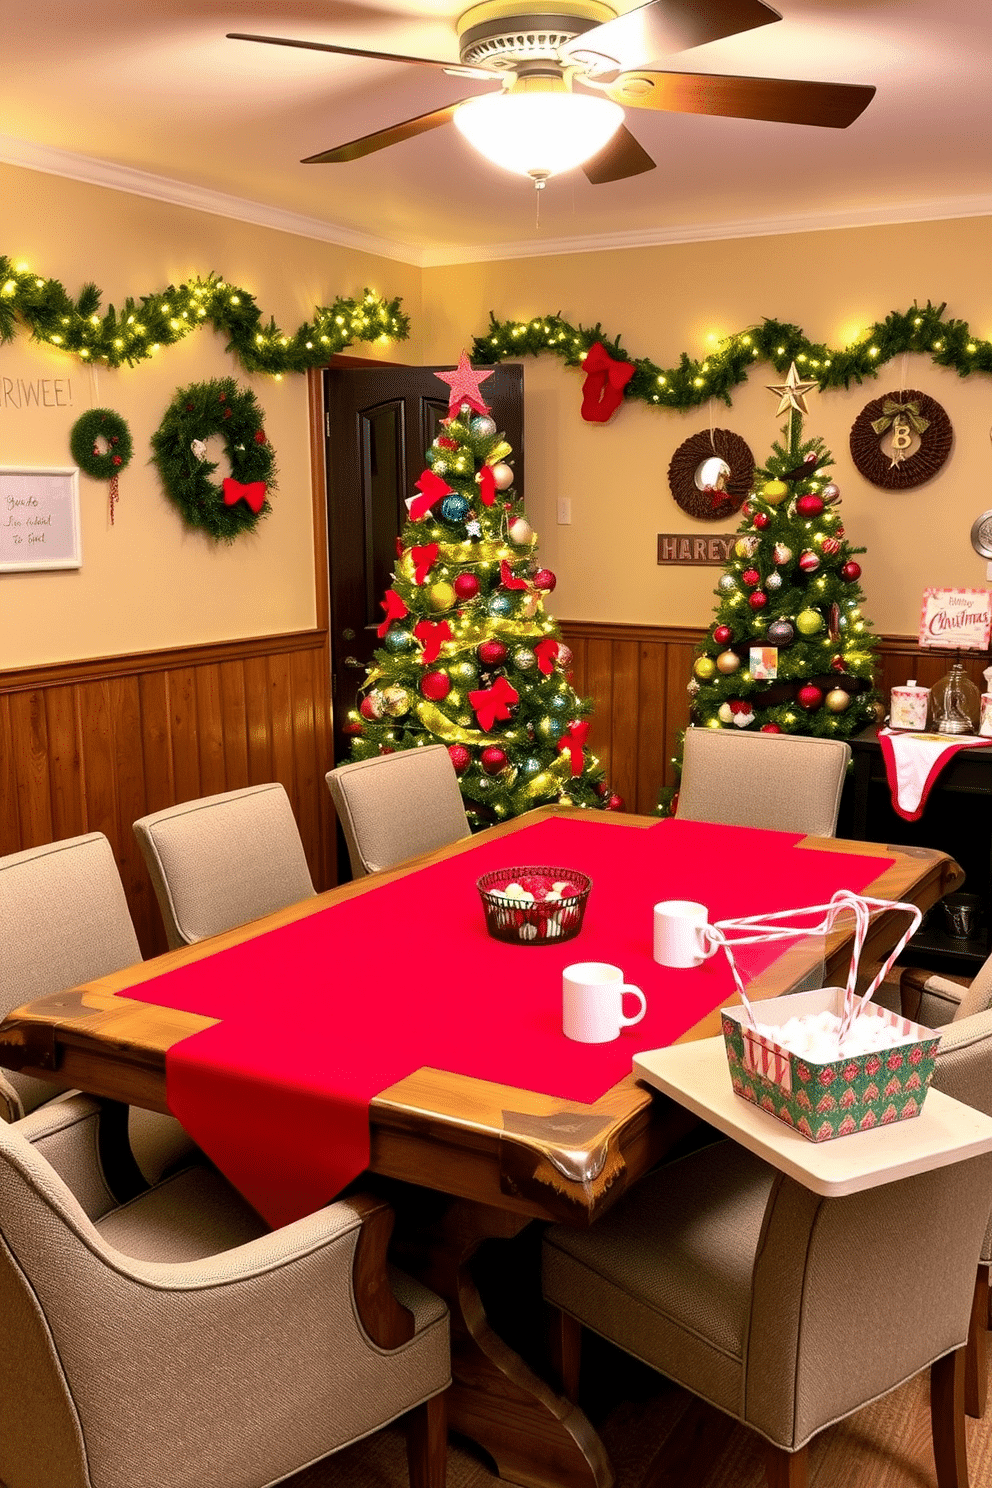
x=524 y=659
x=464 y=671
x=773 y=581
x=727 y=584
x=831 y=492
x=521 y=531
x=483 y=427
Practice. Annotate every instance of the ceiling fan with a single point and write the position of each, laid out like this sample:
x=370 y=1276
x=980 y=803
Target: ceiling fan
x=538 y=123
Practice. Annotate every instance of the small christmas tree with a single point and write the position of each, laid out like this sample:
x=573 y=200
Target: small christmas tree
x=469 y=658
x=790 y=650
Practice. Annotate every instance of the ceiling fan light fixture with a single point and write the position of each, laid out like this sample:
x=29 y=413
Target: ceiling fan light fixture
x=538 y=134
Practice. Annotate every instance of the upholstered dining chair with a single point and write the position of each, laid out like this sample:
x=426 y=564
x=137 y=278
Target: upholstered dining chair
x=64 y=920
x=221 y=861
x=786 y=1310
x=395 y=806
x=175 y=1342
x=784 y=782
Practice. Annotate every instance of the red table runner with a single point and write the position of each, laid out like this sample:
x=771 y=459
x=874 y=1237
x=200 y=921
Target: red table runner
x=320 y=1015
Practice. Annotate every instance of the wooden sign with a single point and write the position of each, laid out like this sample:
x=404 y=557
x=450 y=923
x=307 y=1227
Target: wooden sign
x=956 y=619
x=687 y=548
x=39 y=517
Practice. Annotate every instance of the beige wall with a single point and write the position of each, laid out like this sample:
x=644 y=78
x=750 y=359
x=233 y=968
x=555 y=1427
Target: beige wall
x=149 y=581
x=661 y=301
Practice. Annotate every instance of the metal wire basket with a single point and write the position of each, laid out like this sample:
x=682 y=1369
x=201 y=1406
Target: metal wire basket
x=540 y=920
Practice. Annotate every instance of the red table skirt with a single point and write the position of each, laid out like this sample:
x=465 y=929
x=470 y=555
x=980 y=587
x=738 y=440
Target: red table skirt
x=319 y=1016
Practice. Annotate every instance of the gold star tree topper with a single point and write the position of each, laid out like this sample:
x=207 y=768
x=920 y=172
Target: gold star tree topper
x=792 y=391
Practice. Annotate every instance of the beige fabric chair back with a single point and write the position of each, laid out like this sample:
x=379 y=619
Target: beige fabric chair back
x=964 y=1070
x=224 y=860
x=397 y=806
x=63 y=920
x=782 y=782
x=175 y=1341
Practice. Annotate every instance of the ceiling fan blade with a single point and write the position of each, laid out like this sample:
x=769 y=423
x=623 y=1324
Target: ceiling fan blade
x=383 y=138
x=621 y=157
x=654 y=31
x=342 y=51
x=779 y=100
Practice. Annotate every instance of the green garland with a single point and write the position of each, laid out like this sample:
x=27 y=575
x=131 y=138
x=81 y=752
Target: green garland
x=135 y=332
x=691 y=383
x=196 y=412
x=105 y=423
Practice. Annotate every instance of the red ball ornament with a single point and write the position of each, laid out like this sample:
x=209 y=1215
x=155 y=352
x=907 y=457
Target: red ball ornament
x=761 y=520
x=493 y=760
x=352 y=728
x=723 y=634
x=850 y=571
x=837 y=664
x=830 y=546
x=751 y=576
x=370 y=707
x=259 y=436
x=809 y=506
x=603 y=788
x=460 y=758
x=615 y=803
x=758 y=599
x=808 y=561
x=435 y=685
x=769 y=728
x=545 y=579
x=746 y=509
x=810 y=697
x=466 y=586
x=492 y=653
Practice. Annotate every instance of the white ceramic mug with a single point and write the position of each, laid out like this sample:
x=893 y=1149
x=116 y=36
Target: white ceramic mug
x=680 y=937
x=592 y=1002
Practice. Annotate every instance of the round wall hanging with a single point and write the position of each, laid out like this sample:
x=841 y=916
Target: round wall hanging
x=102 y=464
x=901 y=440
x=180 y=451
x=711 y=474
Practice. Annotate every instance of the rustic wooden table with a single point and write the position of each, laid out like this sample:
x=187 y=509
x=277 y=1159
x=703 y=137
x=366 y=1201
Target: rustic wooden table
x=465 y=1160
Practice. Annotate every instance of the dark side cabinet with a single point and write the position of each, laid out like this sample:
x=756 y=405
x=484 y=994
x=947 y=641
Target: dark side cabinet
x=957 y=819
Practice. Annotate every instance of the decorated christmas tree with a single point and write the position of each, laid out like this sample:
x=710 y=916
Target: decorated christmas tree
x=790 y=650
x=469 y=657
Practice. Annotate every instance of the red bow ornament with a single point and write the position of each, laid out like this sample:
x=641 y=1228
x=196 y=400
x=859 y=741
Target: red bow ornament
x=431 y=634
x=432 y=488
x=546 y=652
x=578 y=733
x=487 y=485
x=492 y=703
x=602 y=391
x=423 y=561
x=395 y=610
x=253 y=493
x=507 y=579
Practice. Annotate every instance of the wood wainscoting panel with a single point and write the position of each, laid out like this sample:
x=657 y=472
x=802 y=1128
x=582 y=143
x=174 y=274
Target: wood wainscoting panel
x=90 y=746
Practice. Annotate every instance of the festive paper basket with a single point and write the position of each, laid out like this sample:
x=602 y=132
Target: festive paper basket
x=828 y=1100
x=857 y=1090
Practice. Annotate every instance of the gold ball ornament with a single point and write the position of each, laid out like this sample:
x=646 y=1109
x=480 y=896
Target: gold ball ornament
x=704 y=668
x=396 y=701
x=441 y=596
x=774 y=492
x=725 y=713
x=878 y=712
x=808 y=622
x=837 y=700
x=727 y=662
x=502 y=476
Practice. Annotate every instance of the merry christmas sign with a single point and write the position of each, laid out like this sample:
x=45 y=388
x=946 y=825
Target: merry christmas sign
x=956 y=619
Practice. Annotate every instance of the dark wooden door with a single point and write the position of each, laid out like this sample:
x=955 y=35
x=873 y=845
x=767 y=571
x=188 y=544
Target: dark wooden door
x=380 y=421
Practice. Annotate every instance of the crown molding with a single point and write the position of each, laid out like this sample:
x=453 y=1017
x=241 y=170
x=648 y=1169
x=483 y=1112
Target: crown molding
x=445 y=255
x=92 y=172
x=52 y=161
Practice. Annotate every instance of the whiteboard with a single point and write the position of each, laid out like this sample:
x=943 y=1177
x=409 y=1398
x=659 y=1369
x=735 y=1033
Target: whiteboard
x=39 y=517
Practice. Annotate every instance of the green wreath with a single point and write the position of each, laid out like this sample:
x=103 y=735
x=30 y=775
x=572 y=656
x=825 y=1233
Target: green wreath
x=178 y=444
x=86 y=452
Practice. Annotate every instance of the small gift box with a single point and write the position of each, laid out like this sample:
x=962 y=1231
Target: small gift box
x=826 y=1062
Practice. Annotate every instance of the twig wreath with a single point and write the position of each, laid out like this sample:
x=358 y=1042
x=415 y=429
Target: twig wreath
x=179 y=447
x=715 y=501
x=102 y=464
x=897 y=417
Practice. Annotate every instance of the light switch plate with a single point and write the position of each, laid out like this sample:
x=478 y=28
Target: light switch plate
x=565 y=512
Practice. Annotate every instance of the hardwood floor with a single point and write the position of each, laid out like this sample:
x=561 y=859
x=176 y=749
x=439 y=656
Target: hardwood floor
x=658 y=1436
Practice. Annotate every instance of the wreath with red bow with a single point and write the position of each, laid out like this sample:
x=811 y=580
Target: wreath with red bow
x=179 y=450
